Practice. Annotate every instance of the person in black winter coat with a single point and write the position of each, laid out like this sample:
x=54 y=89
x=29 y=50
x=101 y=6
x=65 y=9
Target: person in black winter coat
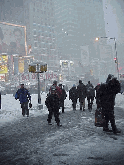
x=62 y=97
x=81 y=89
x=73 y=95
x=107 y=93
x=90 y=94
x=52 y=103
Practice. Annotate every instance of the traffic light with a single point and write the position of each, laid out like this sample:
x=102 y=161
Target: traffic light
x=115 y=59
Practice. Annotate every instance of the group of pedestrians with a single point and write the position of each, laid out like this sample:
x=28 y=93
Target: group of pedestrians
x=105 y=99
x=82 y=91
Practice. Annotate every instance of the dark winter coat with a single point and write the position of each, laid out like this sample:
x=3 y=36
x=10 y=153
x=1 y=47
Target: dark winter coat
x=81 y=89
x=58 y=90
x=90 y=90
x=23 y=95
x=107 y=93
x=63 y=96
x=73 y=94
x=52 y=102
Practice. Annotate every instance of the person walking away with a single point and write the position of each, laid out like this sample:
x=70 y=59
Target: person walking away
x=73 y=95
x=52 y=103
x=58 y=90
x=62 y=97
x=24 y=97
x=81 y=89
x=108 y=92
x=90 y=93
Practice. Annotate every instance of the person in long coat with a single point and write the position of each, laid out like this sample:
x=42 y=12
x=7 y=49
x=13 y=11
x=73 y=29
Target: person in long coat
x=107 y=93
x=73 y=95
x=81 y=89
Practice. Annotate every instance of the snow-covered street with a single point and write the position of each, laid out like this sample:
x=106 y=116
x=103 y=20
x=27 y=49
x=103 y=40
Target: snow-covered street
x=32 y=141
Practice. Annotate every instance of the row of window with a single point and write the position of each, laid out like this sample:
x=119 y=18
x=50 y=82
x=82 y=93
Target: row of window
x=45 y=34
x=44 y=46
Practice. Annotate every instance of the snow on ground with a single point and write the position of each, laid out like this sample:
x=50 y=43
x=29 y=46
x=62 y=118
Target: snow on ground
x=83 y=142
x=11 y=109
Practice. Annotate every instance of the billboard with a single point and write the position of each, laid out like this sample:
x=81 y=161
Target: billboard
x=3 y=64
x=13 y=39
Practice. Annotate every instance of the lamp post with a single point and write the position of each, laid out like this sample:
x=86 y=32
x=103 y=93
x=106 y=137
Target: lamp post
x=38 y=67
x=97 y=38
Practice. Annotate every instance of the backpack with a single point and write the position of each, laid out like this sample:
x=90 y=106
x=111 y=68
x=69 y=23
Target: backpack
x=90 y=91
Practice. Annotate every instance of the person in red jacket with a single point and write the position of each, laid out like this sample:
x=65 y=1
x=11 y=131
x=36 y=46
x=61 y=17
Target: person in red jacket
x=58 y=90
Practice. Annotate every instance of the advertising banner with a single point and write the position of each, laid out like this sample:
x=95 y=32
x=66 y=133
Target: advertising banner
x=2 y=77
x=32 y=77
x=3 y=64
x=21 y=65
x=13 y=39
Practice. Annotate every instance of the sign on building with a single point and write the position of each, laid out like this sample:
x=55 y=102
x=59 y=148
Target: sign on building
x=13 y=39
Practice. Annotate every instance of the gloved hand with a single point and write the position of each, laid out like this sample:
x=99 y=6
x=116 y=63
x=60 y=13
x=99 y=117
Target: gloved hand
x=30 y=105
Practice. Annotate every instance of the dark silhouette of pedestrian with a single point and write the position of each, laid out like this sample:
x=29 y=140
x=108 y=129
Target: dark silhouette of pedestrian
x=81 y=89
x=90 y=93
x=52 y=103
x=107 y=93
x=73 y=95
x=62 y=97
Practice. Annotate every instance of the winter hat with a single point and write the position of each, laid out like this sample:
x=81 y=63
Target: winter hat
x=74 y=85
x=80 y=81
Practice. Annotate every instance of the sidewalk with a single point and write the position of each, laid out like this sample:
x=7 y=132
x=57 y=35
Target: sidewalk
x=78 y=142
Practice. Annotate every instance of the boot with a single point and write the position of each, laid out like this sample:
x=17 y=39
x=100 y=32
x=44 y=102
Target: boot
x=115 y=131
x=107 y=130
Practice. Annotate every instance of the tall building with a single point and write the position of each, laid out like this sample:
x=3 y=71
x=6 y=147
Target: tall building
x=38 y=17
x=40 y=24
x=78 y=23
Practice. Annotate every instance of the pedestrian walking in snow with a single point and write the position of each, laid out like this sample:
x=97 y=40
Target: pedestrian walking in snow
x=90 y=93
x=62 y=97
x=81 y=89
x=73 y=95
x=107 y=93
x=52 y=103
x=24 y=97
